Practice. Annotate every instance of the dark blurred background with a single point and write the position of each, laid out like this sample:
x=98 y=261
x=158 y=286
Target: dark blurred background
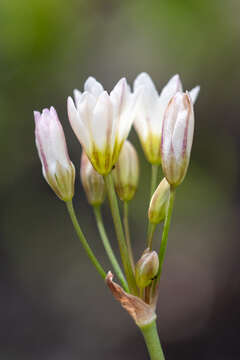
x=53 y=305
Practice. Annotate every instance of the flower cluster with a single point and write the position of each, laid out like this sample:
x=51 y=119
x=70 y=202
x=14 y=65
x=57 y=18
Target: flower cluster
x=101 y=122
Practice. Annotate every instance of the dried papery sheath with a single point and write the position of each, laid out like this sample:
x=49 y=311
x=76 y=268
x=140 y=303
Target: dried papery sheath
x=177 y=137
x=150 y=112
x=126 y=172
x=146 y=268
x=92 y=182
x=57 y=168
x=102 y=121
x=142 y=313
x=158 y=203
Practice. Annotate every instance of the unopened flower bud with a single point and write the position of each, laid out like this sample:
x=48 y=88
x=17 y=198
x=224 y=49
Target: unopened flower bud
x=177 y=137
x=158 y=203
x=57 y=168
x=92 y=182
x=126 y=172
x=146 y=268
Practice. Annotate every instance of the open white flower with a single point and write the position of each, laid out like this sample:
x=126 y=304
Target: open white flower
x=102 y=121
x=57 y=168
x=149 y=116
x=177 y=137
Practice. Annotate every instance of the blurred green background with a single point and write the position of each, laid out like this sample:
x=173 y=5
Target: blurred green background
x=53 y=303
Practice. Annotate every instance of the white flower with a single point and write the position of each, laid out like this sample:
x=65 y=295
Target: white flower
x=149 y=117
x=177 y=137
x=126 y=172
x=57 y=168
x=102 y=121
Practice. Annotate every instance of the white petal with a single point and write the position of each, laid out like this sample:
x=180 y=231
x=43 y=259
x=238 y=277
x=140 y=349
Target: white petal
x=77 y=96
x=101 y=126
x=145 y=80
x=132 y=113
x=119 y=96
x=93 y=86
x=170 y=89
x=77 y=125
x=141 y=127
x=194 y=93
x=183 y=130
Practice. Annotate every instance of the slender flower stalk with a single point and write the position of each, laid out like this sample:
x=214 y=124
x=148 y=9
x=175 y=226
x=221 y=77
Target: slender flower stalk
x=151 y=231
x=83 y=240
x=108 y=248
x=154 y=178
x=127 y=233
x=120 y=234
x=163 y=246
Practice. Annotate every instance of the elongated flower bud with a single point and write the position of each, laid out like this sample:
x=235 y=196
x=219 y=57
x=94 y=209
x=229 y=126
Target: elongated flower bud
x=158 y=203
x=126 y=172
x=57 y=168
x=146 y=268
x=177 y=137
x=92 y=182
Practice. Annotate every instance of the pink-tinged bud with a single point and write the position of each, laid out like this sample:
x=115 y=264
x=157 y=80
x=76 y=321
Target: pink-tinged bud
x=57 y=168
x=158 y=203
x=92 y=182
x=146 y=268
x=177 y=137
x=126 y=172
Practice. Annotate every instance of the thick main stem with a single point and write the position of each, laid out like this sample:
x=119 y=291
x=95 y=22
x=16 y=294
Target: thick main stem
x=120 y=234
x=127 y=233
x=152 y=341
x=83 y=240
x=108 y=248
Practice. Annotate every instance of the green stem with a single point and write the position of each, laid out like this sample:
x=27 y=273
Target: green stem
x=151 y=231
x=127 y=234
x=83 y=240
x=166 y=227
x=154 y=178
x=108 y=248
x=152 y=341
x=120 y=234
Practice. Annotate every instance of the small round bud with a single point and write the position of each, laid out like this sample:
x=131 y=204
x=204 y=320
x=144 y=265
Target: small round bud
x=158 y=203
x=126 y=172
x=146 y=268
x=92 y=182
